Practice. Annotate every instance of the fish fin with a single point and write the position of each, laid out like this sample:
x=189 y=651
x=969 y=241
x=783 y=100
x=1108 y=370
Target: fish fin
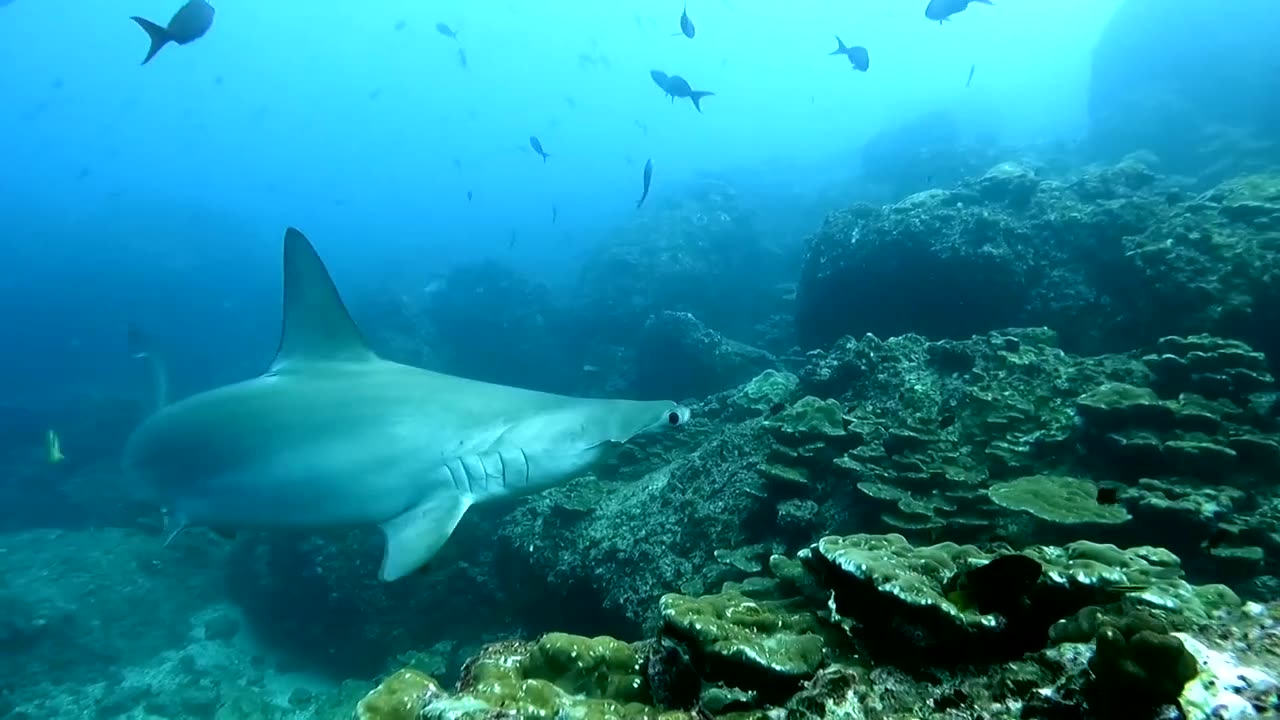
x=174 y=524
x=316 y=325
x=158 y=34
x=696 y=96
x=841 y=50
x=140 y=348
x=414 y=537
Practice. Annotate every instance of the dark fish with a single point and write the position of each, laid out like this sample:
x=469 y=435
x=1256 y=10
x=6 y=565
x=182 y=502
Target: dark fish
x=468 y=196
x=686 y=25
x=1108 y=495
x=189 y=24
x=648 y=178
x=537 y=147
x=678 y=87
x=858 y=56
x=512 y=242
x=446 y=31
x=661 y=79
x=970 y=80
x=946 y=421
x=942 y=10
x=555 y=213
x=457 y=162
x=462 y=58
x=1000 y=586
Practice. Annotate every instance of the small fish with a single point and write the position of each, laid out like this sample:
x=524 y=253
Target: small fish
x=512 y=242
x=661 y=79
x=942 y=10
x=678 y=87
x=53 y=448
x=555 y=213
x=536 y=144
x=1107 y=495
x=946 y=421
x=187 y=25
x=457 y=162
x=462 y=58
x=590 y=369
x=468 y=196
x=858 y=56
x=969 y=82
x=401 y=24
x=648 y=178
x=446 y=31
x=686 y=25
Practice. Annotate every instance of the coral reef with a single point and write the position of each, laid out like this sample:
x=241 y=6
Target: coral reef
x=847 y=628
x=1109 y=258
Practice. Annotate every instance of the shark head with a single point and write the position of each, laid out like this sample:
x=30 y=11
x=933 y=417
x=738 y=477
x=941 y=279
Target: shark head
x=333 y=435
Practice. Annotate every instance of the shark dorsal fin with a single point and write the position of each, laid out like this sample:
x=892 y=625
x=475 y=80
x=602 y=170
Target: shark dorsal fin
x=316 y=326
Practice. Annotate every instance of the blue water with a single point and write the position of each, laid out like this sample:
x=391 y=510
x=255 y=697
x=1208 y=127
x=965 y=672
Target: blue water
x=158 y=194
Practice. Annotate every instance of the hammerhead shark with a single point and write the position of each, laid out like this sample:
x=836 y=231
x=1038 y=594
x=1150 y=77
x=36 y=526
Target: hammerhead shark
x=333 y=435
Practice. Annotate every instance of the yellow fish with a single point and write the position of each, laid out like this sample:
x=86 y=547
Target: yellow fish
x=53 y=446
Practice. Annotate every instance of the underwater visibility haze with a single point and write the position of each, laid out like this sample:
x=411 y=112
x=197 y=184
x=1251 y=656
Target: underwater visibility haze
x=850 y=359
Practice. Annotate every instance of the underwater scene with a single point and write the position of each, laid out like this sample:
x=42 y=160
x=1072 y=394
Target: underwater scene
x=639 y=360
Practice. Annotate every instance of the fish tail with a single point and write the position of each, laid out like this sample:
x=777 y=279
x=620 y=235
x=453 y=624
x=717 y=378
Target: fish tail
x=140 y=348
x=159 y=36
x=841 y=49
x=696 y=96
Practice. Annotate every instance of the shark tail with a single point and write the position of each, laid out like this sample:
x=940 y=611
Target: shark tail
x=159 y=36
x=140 y=348
x=696 y=96
x=841 y=50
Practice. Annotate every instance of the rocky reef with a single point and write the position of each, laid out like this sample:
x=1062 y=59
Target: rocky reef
x=1111 y=258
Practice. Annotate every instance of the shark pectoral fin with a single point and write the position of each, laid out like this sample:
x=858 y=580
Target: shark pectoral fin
x=417 y=535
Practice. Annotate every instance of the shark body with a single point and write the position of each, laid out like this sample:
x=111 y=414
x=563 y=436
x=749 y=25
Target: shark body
x=333 y=435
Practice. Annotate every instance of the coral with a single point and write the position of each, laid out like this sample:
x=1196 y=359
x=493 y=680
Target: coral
x=403 y=696
x=1056 y=499
x=767 y=390
x=559 y=675
x=1194 y=421
x=746 y=642
x=896 y=599
x=1109 y=258
x=1135 y=671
